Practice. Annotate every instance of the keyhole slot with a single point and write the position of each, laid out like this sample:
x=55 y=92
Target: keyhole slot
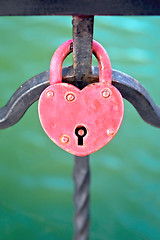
x=80 y=132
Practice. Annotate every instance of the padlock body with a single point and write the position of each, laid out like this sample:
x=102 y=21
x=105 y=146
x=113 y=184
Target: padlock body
x=98 y=108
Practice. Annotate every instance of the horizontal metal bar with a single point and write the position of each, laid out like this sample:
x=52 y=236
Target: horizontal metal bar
x=79 y=7
x=30 y=91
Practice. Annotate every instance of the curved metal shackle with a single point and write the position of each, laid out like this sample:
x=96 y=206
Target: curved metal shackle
x=105 y=75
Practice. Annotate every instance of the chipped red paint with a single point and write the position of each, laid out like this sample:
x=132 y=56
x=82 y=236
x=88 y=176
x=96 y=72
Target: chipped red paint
x=100 y=116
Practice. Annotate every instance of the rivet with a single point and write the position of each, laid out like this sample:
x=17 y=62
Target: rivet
x=110 y=132
x=70 y=97
x=49 y=93
x=106 y=93
x=64 y=139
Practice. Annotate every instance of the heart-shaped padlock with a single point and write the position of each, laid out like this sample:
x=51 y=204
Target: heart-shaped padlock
x=81 y=121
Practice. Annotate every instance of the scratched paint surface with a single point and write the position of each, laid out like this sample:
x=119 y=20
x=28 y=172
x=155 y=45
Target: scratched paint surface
x=36 y=186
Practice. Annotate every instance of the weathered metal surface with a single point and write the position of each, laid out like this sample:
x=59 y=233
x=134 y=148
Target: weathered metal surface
x=81 y=177
x=30 y=91
x=57 y=61
x=82 y=48
x=82 y=39
x=64 y=108
x=66 y=48
x=76 y=7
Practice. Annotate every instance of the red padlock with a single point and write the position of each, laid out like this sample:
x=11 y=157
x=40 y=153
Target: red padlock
x=81 y=121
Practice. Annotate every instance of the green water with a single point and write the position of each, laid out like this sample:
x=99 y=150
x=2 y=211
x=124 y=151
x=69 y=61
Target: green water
x=36 y=185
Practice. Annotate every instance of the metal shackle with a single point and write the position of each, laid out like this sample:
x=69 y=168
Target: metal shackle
x=65 y=49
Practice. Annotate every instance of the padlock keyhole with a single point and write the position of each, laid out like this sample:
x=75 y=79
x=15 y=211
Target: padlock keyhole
x=80 y=132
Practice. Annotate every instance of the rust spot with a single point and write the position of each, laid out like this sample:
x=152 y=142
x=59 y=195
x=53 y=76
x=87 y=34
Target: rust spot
x=96 y=105
x=64 y=139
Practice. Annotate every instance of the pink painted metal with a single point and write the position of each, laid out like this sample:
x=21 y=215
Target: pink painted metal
x=62 y=52
x=97 y=108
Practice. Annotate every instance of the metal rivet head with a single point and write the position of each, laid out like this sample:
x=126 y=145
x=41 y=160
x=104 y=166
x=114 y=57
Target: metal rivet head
x=110 y=132
x=49 y=93
x=64 y=139
x=106 y=93
x=70 y=97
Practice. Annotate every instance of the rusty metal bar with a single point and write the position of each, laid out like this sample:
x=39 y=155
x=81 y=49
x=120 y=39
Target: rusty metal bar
x=82 y=60
x=82 y=48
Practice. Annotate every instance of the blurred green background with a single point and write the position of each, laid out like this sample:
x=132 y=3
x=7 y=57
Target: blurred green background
x=36 y=187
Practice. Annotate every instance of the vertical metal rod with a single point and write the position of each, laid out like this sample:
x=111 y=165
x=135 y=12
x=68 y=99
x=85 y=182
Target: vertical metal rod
x=82 y=60
x=81 y=176
x=82 y=48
